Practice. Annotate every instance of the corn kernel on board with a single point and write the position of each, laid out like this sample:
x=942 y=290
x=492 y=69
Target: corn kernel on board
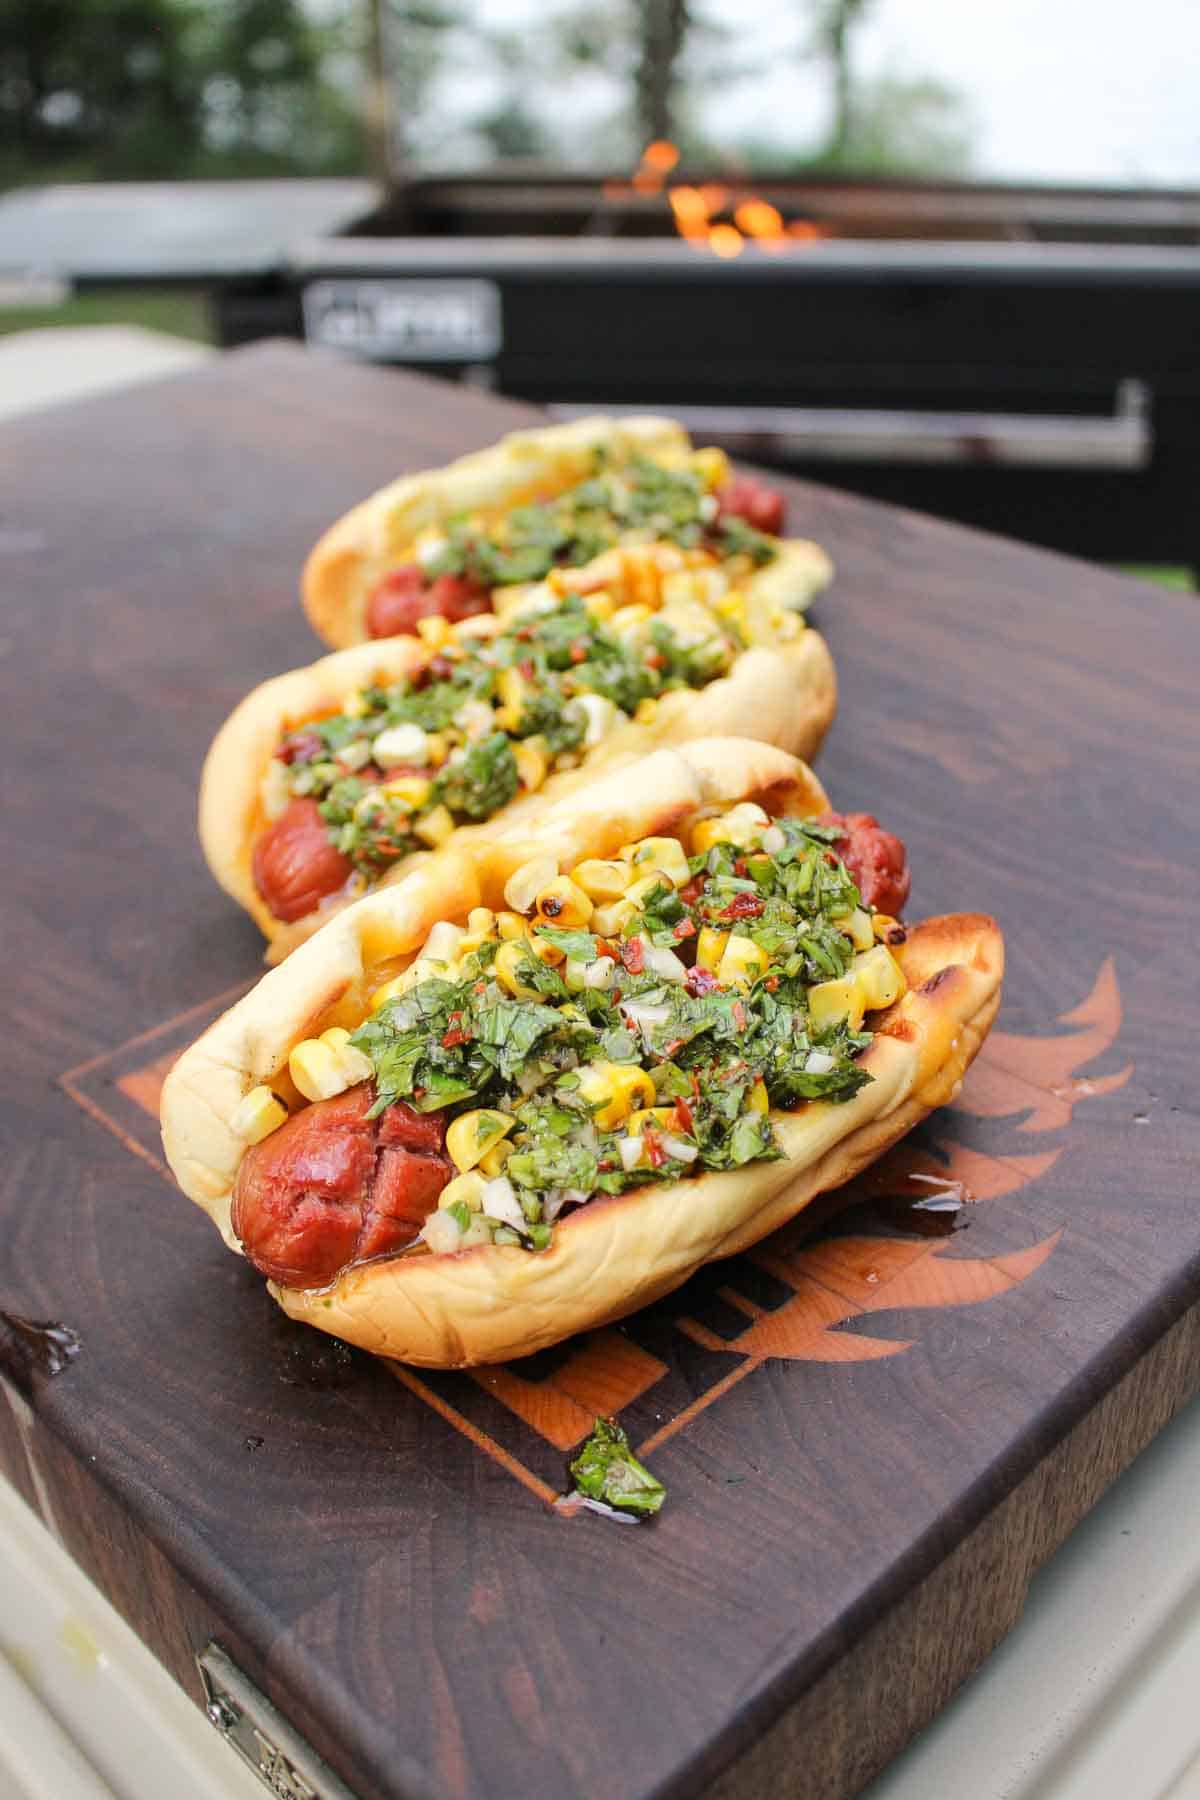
x=871 y=1432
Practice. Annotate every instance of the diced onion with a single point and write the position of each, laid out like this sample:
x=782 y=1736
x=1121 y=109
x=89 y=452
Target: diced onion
x=630 y=1151
x=818 y=1062
x=644 y=1014
x=679 y=1148
x=773 y=840
x=400 y=744
x=441 y=1233
x=499 y=1201
x=664 y=963
x=442 y=942
x=601 y=713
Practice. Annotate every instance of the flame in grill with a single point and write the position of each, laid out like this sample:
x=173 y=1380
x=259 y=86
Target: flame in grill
x=713 y=217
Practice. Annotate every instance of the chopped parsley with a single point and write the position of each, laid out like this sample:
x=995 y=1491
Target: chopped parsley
x=607 y=1470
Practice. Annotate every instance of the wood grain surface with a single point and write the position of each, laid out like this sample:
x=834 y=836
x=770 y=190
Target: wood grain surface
x=870 y=1435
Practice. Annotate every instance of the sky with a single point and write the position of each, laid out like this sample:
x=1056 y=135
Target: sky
x=1066 y=90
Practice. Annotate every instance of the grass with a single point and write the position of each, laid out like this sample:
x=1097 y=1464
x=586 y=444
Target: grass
x=1182 y=580
x=178 y=312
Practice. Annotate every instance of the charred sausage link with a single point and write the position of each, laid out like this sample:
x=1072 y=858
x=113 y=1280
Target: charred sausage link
x=295 y=863
x=403 y=597
x=877 y=860
x=746 y=497
x=332 y=1187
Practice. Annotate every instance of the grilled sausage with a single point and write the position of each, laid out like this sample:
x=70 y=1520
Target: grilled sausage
x=877 y=860
x=296 y=864
x=403 y=597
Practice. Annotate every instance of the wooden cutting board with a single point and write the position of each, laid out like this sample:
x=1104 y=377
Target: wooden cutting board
x=872 y=1430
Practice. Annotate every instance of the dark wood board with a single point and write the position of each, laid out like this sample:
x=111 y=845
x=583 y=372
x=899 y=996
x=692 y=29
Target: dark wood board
x=871 y=1437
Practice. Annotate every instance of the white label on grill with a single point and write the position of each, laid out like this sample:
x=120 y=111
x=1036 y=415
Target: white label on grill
x=407 y=321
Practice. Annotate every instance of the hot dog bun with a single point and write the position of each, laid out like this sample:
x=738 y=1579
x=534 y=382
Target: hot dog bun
x=618 y=1252
x=356 y=552
x=784 y=696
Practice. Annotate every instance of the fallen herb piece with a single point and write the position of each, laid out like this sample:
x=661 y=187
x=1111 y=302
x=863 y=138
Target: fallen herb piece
x=606 y=1469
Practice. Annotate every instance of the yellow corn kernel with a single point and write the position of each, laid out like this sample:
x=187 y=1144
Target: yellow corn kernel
x=834 y=1000
x=665 y=854
x=546 y=953
x=708 y=832
x=646 y=711
x=525 y=884
x=435 y=631
x=507 y=970
x=743 y=962
x=710 y=948
x=468 y=1188
x=757 y=1099
x=258 y=1115
x=389 y=990
x=631 y=621
x=492 y=1162
x=354 y=1064
x=659 y=1118
x=641 y=575
x=481 y=923
x=731 y=608
x=473 y=1134
x=879 y=978
x=533 y=765
x=513 y=689
x=356 y=704
x=742 y=826
x=613 y=1090
x=411 y=790
x=641 y=891
x=608 y=921
x=317 y=1070
x=436 y=749
x=858 y=928
x=509 y=925
x=712 y=466
x=602 y=880
x=433 y=828
x=560 y=902
x=600 y=605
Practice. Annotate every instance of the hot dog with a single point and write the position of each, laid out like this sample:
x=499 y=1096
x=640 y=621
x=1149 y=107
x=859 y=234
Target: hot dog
x=325 y=783
x=454 y=542
x=521 y=1095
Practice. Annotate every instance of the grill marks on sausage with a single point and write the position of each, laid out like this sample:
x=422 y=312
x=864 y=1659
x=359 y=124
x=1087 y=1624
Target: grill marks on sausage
x=877 y=860
x=333 y=1187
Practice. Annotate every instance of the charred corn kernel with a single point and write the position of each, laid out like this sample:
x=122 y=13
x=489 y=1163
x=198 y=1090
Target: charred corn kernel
x=435 y=631
x=433 y=828
x=834 y=1000
x=600 y=605
x=884 y=927
x=710 y=948
x=356 y=704
x=743 y=962
x=481 y=923
x=857 y=927
x=879 y=977
x=472 y=1135
x=607 y=921
x=492 y=1162
x=666 y=854
x=507 y=970
x=400 y=744
x=525 y=884
x=317 y=1070
x=389 y=990
x=533 y=765
x=509 y=925
x=602 y=880
x=646 y=711
x=613 y=1090
x=545 y=952
x=258 y=1115
x=712 y=466
x=466 y=1188
x=757 y=1099
x=631 y=621
x=561 y=902
x=410 y=790
x=659 y=1118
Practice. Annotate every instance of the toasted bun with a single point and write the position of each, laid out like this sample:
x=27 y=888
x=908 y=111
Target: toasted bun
x=354 y=554
x=618 y=1252
x=784 y=696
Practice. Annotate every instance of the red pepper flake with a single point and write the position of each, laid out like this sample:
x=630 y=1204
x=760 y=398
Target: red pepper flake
x=739 y=866
x=526 y=667
x=440 y=668
x=674 y=1045
x=742 y=906
x=480 y=987
x=692 y=891
x=771 y=983
x=739 y=1015
x=524 y=635
x=605 y=1164
x=686 y=928
x=683 y=1117
x=455 y=1037
x=579 y=650
x=655 y=659
x=633 y=955
x=656 y=1156
x=700 y=981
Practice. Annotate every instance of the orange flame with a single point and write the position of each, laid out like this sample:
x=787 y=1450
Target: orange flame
x=697 y=211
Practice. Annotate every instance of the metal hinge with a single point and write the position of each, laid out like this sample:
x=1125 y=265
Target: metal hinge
x=261 y=1735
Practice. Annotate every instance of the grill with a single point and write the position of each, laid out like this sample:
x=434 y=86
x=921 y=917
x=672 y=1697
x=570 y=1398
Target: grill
x=1026 y=360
